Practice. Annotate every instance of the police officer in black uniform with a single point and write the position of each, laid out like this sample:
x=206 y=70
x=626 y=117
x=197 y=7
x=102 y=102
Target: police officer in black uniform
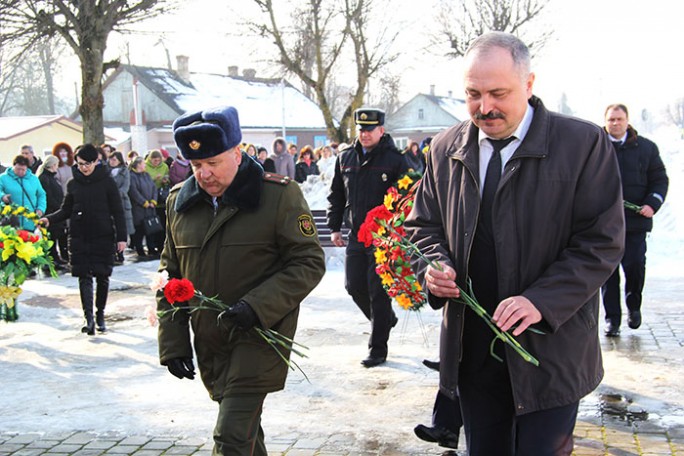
x=363 y=173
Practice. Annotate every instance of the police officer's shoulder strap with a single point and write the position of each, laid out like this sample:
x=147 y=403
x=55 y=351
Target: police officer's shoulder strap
x=277 y=178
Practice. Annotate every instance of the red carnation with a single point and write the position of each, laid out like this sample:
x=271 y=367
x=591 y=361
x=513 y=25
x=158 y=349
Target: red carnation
x=365 y=233
x=24 y=235
x=179 y=290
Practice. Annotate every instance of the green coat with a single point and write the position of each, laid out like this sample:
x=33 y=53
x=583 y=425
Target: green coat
x=262 y=247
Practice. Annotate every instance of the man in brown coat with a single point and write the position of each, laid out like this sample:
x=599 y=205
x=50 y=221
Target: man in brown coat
x=248 y=238
x=538 y=229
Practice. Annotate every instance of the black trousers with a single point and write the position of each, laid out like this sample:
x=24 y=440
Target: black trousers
x=365 y=288
x=446 y=413
x=634 y=268
x=492 y=427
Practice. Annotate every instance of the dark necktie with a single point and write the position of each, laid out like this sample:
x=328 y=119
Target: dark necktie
x=491 y=182
x=617 y=144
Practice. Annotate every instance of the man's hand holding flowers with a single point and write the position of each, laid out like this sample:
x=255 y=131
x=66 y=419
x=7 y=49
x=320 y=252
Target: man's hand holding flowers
x=242 y=314
x=518 y=312
x=442 y=283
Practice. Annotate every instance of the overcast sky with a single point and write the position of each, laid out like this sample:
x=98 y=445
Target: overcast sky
x=603 y=51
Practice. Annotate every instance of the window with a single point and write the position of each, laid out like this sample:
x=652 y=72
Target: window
x=320 y=141
x=401 y=143
x=291 y=140
x=421 y=114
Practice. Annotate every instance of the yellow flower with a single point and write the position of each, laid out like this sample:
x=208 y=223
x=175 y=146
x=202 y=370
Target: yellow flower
x=389 y=201
x=404 y=301
x=380 y=256
x=20 y=210
x=8 y=251
x=26 y=251
x=8 y=295
x=417 y=287
x=6 y=210
x=386 y=278
x=381 y=230
x=404 y=182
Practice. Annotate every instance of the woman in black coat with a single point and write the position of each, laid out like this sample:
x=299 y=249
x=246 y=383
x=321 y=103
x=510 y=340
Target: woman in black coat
x=97 y=230
x=143 y=194
x=47 y=174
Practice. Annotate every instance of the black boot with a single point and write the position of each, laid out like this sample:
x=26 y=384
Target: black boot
x=101 y=302
x=85 y=286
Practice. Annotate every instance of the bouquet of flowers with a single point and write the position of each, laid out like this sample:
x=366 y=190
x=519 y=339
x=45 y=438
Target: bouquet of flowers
x=384 y=229
x=22 y=252
x=179 y=291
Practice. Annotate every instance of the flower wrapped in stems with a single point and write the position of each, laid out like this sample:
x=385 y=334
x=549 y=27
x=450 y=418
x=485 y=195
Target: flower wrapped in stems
x=631 y=206
x=384 y=229
x=178 y=292
x=22 y=252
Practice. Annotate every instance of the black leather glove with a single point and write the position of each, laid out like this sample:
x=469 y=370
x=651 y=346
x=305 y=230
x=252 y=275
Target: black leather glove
x=181 y=367
x=243 y=315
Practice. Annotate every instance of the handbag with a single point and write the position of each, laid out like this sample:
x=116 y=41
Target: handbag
x=152 y=225
x=162 y=195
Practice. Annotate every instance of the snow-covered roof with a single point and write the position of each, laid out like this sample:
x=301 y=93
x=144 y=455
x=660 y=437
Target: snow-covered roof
x=454 y=106
x=12 y=126
x=259 y=101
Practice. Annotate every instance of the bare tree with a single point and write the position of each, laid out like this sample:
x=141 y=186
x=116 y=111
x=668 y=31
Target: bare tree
x=313 y=43
x=387 y=95
x=26 y=84
x=675 y=112
x=461 y=21
x=85 y=27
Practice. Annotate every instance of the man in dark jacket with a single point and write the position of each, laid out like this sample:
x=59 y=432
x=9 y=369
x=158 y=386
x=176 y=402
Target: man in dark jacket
x=34 y=162
x=363 y=173
x=248 y=238
x=536 y=241
x=644 y=184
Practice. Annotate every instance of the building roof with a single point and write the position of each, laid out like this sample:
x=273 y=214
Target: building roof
x=14 y=126
x=456 y=107
x=259 y=101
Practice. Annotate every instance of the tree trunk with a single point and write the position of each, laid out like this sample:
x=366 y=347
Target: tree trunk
x=47 y=62
x=92 y=101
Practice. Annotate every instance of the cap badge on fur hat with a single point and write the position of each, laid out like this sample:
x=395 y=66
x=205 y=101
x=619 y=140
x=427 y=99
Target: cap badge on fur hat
x=207 y=133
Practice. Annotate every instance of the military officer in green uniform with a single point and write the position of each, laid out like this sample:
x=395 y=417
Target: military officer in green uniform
x=247 y=237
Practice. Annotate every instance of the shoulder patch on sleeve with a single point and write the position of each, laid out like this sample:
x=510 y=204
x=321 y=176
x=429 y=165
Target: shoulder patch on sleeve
x=277 y=178
x=306 y=225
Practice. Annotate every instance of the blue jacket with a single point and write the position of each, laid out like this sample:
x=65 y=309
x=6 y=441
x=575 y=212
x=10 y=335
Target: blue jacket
x=25 y=191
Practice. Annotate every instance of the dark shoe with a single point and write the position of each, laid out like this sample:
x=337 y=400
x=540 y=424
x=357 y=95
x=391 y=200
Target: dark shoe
x=441 y=436
x=100 y=321
x=612 y=329
x=373 y=361
x=434 y=365
x=89 y=327
x=634 y=319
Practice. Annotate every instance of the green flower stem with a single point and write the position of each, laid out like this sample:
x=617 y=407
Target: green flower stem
x=467 y=300
x=631 y=206
x=270 y=336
